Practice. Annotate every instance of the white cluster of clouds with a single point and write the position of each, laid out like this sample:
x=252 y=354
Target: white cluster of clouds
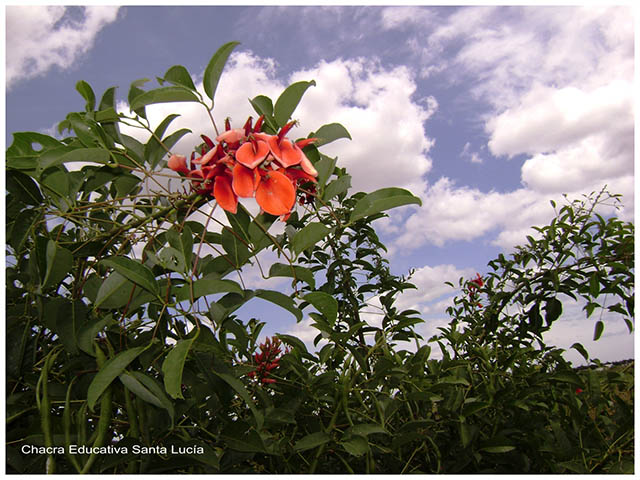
x=41 y=37
x=558 y=84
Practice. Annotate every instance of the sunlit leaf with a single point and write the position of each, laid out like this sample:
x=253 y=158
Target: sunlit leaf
x=329 y=133
x=163 y=95
x=114 y=292
x=179 y=75
x=382 y=200
x=214 y=69
x=288 y=101
x=87 y=93
x=325 y=304
x=285 y=301
x=308 y=236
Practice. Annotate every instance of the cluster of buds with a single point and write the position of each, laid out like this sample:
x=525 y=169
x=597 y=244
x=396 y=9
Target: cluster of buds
x=474 y=285
x=249 y=163
x=267 y=360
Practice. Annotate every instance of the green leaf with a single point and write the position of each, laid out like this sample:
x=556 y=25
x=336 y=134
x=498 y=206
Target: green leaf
x=240 y=389
x=284 y=301
x=355 y=445
x=295 y=342
x=134 y=270
x=173 y=366
x=214 y=69
x=472 y=407
x=148 y=390
x=62 y=155
x=114 y=292
x=179 y=75
x=108 y=115
x=381 y=200
x=365 y=429
x=111 y=369
x=126 y=184
x=170 y=140
x=139 y=389
x=87 y=334
x=597 y=333
x=238 y=253
x=308 y=236
x=163 y=95
x=288 y=101
x=310 y=441
x=499 y=449
x=207 y=286
x=594 y=285
x=299 y=273
x=263 y=106
x=87 y=93
x=59 y=263
x=154 y=387
x=553 y=310
x=581 y=350
x=182 y=243
x=330 y=132
x=452 y=380
x=325 y=167
x=337 y=187
x=567 y=377
x=153 y=149
x=108 y=99
x=23 y=187
x=242 y=441
x=325 y=304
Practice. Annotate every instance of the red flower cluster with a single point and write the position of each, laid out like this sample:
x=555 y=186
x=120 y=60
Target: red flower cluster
x=579 y=391
x=267 y=360
x=474 y=284
x=248 y=163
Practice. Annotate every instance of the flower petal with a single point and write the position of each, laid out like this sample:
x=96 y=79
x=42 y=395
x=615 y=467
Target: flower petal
x=276 y=194
x=286 y=153
x=307 y=166
x=252 y=154
x=243 y=181
x=224 y=195
x=178 y=163
x=231 y=136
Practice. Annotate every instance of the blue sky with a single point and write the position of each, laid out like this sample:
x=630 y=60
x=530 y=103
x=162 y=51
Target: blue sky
x=486 y=113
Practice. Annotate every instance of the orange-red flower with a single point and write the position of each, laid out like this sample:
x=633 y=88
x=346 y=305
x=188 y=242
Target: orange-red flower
x=249 y=163
x=275 y=193
x=478 y=280
x=267 y=360
x=178 y=163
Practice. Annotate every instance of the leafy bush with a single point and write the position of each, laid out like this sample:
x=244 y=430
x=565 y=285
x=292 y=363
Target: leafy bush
x=125 y=352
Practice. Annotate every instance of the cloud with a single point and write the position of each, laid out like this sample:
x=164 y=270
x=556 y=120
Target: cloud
x=41 y=37
x=431 y=288
x=472 y=156
x=402 y=17
x=556 y=86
